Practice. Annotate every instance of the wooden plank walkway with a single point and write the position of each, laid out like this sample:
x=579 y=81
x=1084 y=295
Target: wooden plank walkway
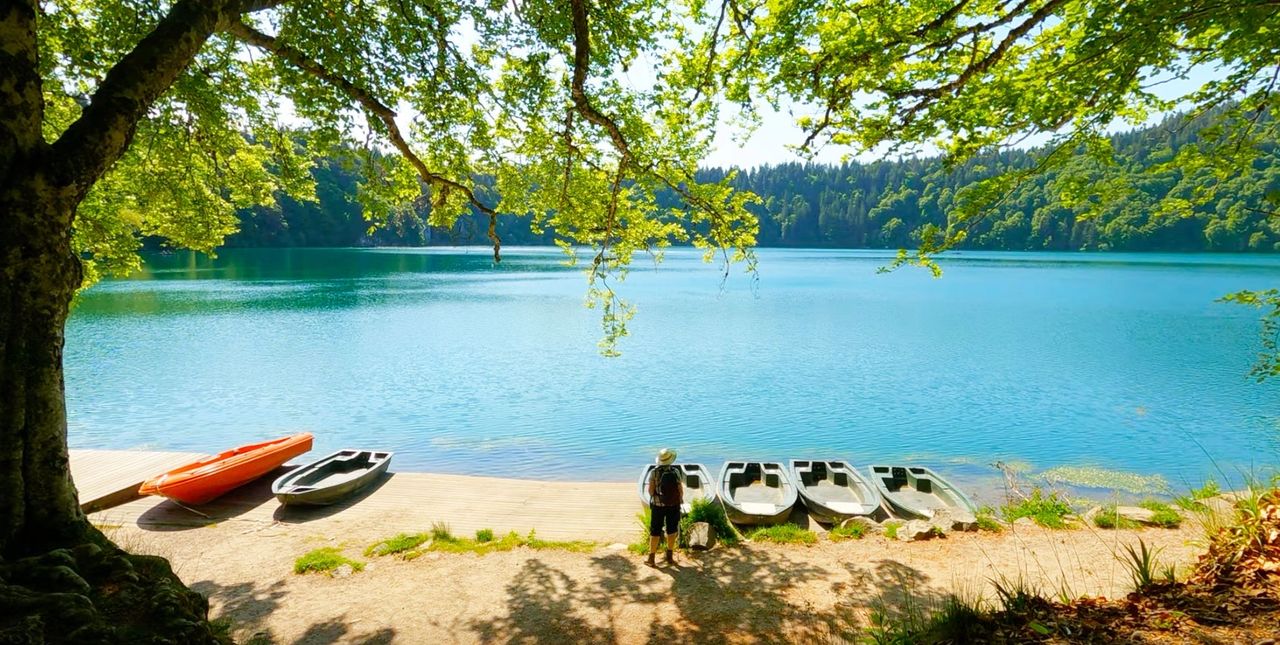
x=107 y=478
x=411 y=502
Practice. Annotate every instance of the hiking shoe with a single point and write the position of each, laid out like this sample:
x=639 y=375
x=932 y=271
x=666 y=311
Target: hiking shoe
x=649 y=561
x=671 y=558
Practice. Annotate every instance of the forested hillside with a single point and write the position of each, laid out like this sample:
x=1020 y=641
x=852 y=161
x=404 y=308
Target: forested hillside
x=1086 y=206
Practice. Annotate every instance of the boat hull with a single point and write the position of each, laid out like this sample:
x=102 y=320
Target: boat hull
x=705 y=488
x=756 y=493
x=833 y=490
x=332 y=478
x=207 y=479
x=918 y=492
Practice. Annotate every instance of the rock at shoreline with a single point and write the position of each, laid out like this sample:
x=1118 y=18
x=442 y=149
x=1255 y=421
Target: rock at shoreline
x=702 y=536
x=871 y=525
x=945 y=519
x=1136 y=514
x=917 y=530
x=1220 y=504
x=1091 y=513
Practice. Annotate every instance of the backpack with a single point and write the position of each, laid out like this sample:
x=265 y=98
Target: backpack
x=667 y=492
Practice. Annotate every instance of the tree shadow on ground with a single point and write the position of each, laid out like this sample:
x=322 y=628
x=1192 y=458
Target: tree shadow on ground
x=726 y=595
x=247 y=607
x=542 y=607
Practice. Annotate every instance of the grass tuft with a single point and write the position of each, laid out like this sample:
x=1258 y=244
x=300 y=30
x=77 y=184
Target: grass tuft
x=1108 y=518
x=911 y=620
x=403 y=543
x=575 y=546
x=891 y=529
x=439 y=539
x=1191 y=501
x=1143 y=564
x=441 y=532
x=1049 y=511
x=784 y=534
x=1164 y=516
x=711 y=512
x=325 y=560
x=851 y=531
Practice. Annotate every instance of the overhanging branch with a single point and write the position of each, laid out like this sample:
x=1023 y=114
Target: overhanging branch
x=376 y=108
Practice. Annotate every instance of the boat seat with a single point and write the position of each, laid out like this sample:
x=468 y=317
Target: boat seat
x=846 y=508
x=758 y=508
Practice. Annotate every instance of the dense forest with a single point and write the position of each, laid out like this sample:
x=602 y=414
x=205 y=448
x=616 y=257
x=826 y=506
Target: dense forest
x=1084 y=205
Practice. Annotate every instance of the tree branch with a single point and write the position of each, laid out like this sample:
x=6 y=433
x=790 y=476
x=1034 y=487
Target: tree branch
x=992 y=58
x=384 y=115
x=581 y=65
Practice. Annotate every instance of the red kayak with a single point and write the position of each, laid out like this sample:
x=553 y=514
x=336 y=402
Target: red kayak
x=206 y=479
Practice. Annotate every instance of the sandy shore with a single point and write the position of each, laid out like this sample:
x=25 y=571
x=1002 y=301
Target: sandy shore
x=240 y=551
x=755 y=593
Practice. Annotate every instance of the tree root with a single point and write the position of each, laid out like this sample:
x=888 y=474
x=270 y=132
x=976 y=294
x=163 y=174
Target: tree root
x=95 y=593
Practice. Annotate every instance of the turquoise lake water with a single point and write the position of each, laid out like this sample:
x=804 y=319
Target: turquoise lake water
x=1120 y=361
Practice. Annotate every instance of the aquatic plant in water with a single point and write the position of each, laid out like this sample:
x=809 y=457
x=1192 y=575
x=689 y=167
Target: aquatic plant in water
x=1096 y=477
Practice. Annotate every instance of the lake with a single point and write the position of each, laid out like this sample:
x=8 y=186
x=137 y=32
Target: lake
x=1122 y=361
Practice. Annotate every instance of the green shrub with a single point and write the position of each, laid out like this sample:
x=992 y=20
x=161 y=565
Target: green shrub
x=1164 y=516
x=1107 y=518
x=784 y=534
x=1048 y=511
x=484 y=535
x=400 y=544
x=325 y=560
x=851 y=531
x=711 y=512
x=987 y=521
x=891 y=529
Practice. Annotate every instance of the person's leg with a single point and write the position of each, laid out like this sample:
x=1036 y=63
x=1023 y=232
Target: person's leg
x=673 y=531
x=655 y=533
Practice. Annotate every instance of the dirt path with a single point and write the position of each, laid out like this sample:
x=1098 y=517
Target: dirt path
x=755 y=593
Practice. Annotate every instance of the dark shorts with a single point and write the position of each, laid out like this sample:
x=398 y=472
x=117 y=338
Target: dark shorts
x=664 y=514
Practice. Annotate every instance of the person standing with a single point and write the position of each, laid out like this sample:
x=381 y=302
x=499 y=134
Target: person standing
x=666 y=494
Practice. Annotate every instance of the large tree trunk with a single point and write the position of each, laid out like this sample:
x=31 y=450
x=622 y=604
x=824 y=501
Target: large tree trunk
x=39 y=508
x=60 y=579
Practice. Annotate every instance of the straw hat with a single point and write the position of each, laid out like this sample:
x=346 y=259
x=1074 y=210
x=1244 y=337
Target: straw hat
x=666 y=456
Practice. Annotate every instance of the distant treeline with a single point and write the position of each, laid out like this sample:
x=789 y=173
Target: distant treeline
x=882 y=204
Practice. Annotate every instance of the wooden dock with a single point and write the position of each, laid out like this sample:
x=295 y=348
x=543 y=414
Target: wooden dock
x=107 y=478
x=401 y=502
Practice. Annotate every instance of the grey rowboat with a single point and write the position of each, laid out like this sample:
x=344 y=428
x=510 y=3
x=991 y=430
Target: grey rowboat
x=756 y=492
x=332 y=478
x=833 y=490
x=917 y=492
